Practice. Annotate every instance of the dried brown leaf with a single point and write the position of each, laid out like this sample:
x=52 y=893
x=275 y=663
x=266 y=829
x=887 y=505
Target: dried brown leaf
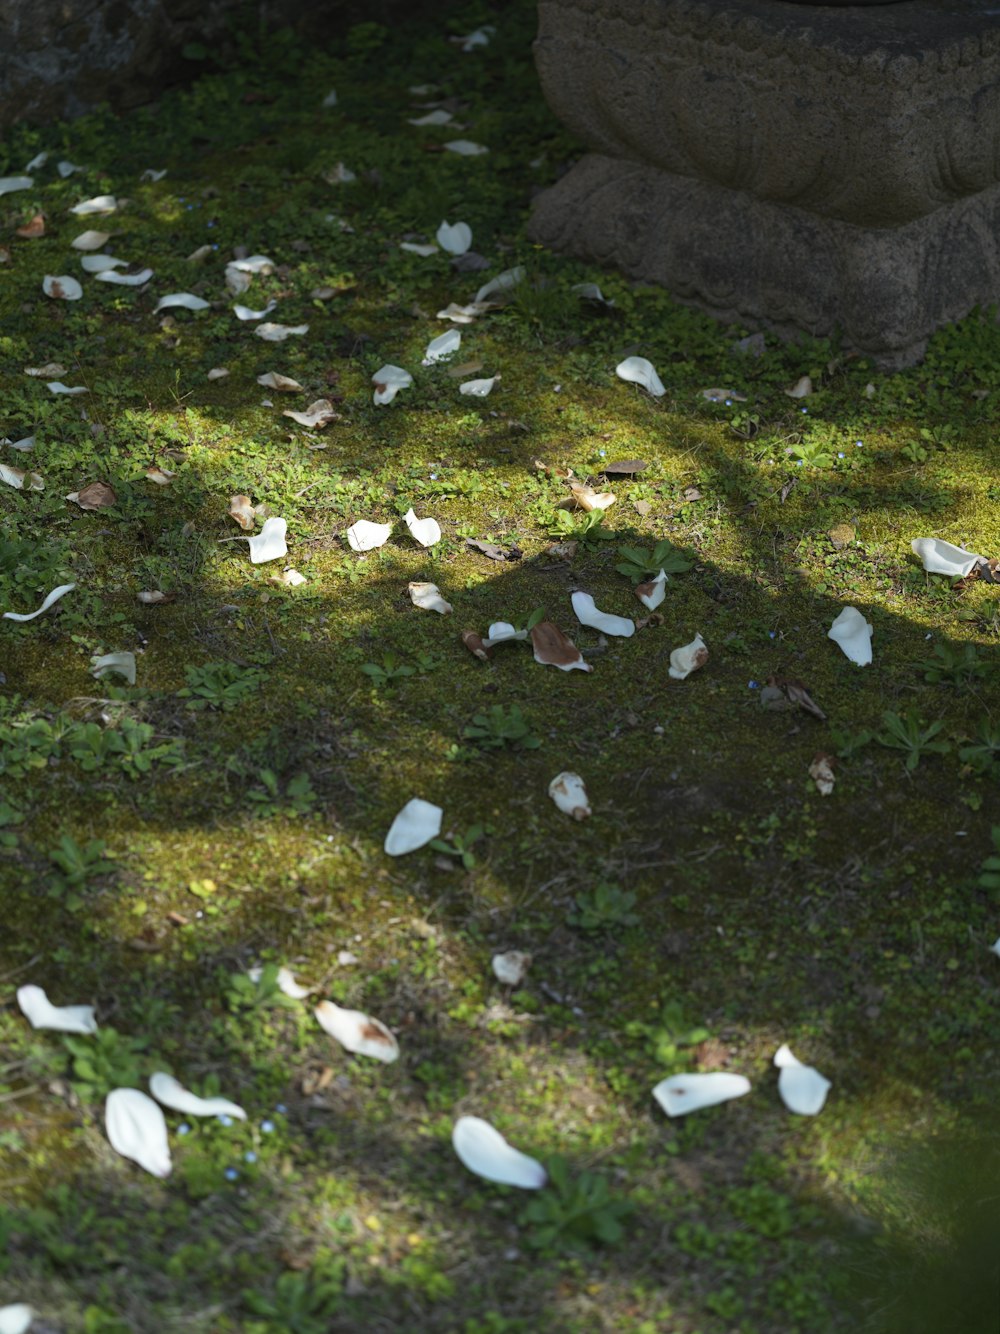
x=94 y=496
x=553 y=648
x=474 y=643
x=34 y=228
x=242 y=511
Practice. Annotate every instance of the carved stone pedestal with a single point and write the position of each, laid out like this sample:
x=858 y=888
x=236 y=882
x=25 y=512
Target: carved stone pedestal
x=807 y=168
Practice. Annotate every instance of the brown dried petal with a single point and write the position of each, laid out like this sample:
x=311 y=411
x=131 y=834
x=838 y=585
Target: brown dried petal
x=34 y=228
x=242 y=511
x=588 y=499
x=821 y=772
x=555 y=649
x=474 y=643
x=94 y=496
x=624 y=467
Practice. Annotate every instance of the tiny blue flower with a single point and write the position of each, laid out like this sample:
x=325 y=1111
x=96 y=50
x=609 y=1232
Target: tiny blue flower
x=602 y=452
x=224 y=1120
x=280 y=1107
x=753 y=685
x=799 y=463
x=250 y=1156
x=183 y=1128
x=840 y=454
x=772 y=634
x=434 y=476
x=729 y=402
x=805 y=409
x=858 y=444
x=266 y=1127
x=215 y=244
x=211 y=223
x=181 y=198
x=231 y=1174
x=189 y=207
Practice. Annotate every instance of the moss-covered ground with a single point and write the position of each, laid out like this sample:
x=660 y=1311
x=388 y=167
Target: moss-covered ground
x=715 y=904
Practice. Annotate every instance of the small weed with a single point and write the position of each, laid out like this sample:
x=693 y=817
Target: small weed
x=501 y=728
x=579 y=526
x=638 y=563
x=244 y=994
x=957 y=667
x=106 y=1061
x=220 y=685
x=461 y=845
x=982 y=754
x=603 y=908
x=989 y=869
x=77 y=869
x=300 y=1304
x=574 y=1212
x=297 y=797
x=668 y=1036
x=391 y=670
x=910 y=734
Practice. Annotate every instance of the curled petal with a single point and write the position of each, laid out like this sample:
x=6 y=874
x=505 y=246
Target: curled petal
x=940 y=557
x=425 y=531
x=639 y=371
x=41 y=1013
x=171 y=1093
x=137 y=1130
x=428 y=597
x=653 y=591
x=357 y=1032
x=50 y=598
x=854 y=635
x=367 y=536
x=484 y=1151
x=684 y=661
x=587 y=613
x=416 y=824
x=570 y=795
x=802 y=1088
x=269 y=543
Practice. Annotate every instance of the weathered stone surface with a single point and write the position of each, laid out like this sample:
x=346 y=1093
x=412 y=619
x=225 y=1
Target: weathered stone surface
x=807 y=167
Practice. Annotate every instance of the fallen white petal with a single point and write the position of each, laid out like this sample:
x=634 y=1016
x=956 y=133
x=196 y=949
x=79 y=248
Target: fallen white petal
x=510 y=967
x=316 y=415
x=463 y=314
x=217 y=373
x=340 y=175
x=466 y=148
x=44 y=372
x=286 y=982
x=269 y=543
x=253 y=264
x=484 y=1151
x=245 y=313
x=171 y=1093
x=416 y=824
x=16 y=1319
x=437 y=117
x=723 y=396
x=591 y=292
x=428 y=597
x=122 y=663
x=25 y=443
x=186 y=299
x=942 y=558
x=272 y=380
x=503 y=282
x=443 y=346
x=98 y=263
x=277 y=333
x=125 y=279
x=57 y=387
x=137 y=1129
x=454 y=237
x=416 y=248
x=995 y=947
x=99 y=204
x=388 y=380
x=65 y=168
x=14 y=476
x=8 y=184
x=330 y=100
x=588 y=614
x=681 y=1094
x=570 y=795
x=54 y=596
x=151 y=174
x=502 y=631
x=288 y=579
x=425 y=531
x=357 y=1032
x=802 y=1088
x=39 y=160
x=685 y=660
x=41 y=1013
x=802 y=388
x=62 y=287
x=367 y=536
x=637 y=370
x=478 y=388
x=652 y=593
x=473 y=40
x=90 y=240
x=854 y=635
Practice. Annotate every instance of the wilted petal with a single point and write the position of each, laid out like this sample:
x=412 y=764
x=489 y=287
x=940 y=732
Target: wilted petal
x=66 y=168
x=236 y=280
x=253 y=264
x=153 y=597
x=463 y=314
x=653 y=591
x=510 y=967
x=587 y=613
x=367 y=536
x=16 y=1319
x=428 y=597
x=418 y=248
x=277 y=333
x=269 y=543
x=942 y=558
x=99 y=263
x=272 y=380
x=437 y=117
x=802 y=1088
x=330 y=100
x=32 y=230
x=503 y=282
x=242 y=511
x=570 y=795
x=854 y=635
x=54 y=596
x=357 y=1032
x=39 y=160
x=638 y=370
x=151 y=174
x=388 y=381
x=57 y=387
x=445 y=345
x=316 y=416
x=8 y=184
x=62 y=287
x=821 y=772
x=43 y=372
x=137 y=1130
x=90 y=240
x=288 y=579
x=125 y=279
x=94 y=496
x=454 y=237
x=41 y=1013
x=466 y=148
x=802 y=388
x=245 y=313
x=723 y=396
x=555 y=649
x=478 y=388
x=681 y=1094
x=217 y=373
x=12 y=476
x=187 y=300
x=484 y=1151
x=339 y=175
x=586 y=498
x=99 y=204
x=425 y=531
x=168 y=1091
x=684 y=661
x=476 y=646
x=416 y=824
x=591 y=292
x=161 y=476
x=122 y=663
x=502 y=631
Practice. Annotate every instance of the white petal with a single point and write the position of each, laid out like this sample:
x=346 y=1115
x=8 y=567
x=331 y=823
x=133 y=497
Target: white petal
x=802 y=387
x=125 y=279
x=588 y=614
x=99 y=204
x=12 y=476
x=942 y=558
x=653 y=592
x=854 y=635
x=501 y=631
x=286 y=982
x=638 y=370
x=510 y=967
x=570 y=795
x=415 y=248
x=54 y=596
x=367 y=536
x=272 y=380
x=316 y=415
x=684 y=661
x=245 y=313
x=16 y=1319
x=151 y=174
x=340 y=175
x=388 y=380
x=995 y=947
x=27 y=442
x=65 y=168
x=454 y=237
x=289 y=579
x=122 y=663
x=802 y=1088
x=168 y=1091
x=416 y=824
x=277 y=333
x=463 y=314
x=436 y=117
x=8 y=184
x=41 y=1013
x=681 y=1094
x=57 y=387
x=98 y=263
x=253 y=264
x=269 y=543
x=39 y=160
x=186 y=299
x=484 y=1151
x=217 y=373
x=465 y=148
x=425 y=531
x=357 y=1032
x=503 y=282
x=478 y=388
x=591 y=292
x=330 y=100
x=443 y=346
x=428 y=597
x=137 y=1130
x=90 y=240
x=62 y=287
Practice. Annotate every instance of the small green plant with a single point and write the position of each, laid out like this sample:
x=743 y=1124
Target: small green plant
x=958 y=667
x=105 y=1061
x=460 y=845
x=982 y=754
x=667 y=1037
x=579 y=526
x=501 y=728
x=910 y=734
x=300 y=1304
x=574 y=1212
x=603 y=908
x=220 y=685
x=846 y=743
x=10 y=815
x=989 y=870
x=77 y=869
x=639 y=563
x=813 y=453
x=391 y=670
x=260 y=992
x=296 y=797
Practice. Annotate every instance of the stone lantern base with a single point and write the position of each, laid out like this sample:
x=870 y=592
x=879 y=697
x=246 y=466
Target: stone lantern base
x=810 y=169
